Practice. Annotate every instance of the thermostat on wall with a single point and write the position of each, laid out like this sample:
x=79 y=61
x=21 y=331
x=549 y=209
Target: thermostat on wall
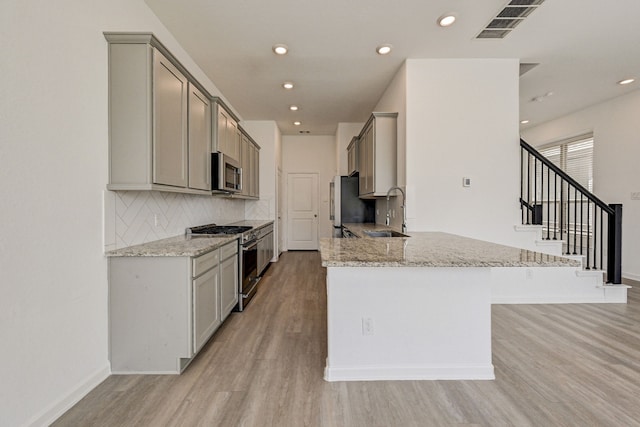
x=466 y=182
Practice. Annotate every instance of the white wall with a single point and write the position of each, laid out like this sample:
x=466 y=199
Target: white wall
x=461 y=121
x=616 y=130
x=311 y=154
x=344 y=135
x=53 y=172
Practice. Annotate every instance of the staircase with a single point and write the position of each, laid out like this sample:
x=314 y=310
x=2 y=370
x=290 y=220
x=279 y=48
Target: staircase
x=551 y=285
x=560 y=217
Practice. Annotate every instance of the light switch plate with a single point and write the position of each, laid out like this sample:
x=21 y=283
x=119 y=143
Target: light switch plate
x=466 y=182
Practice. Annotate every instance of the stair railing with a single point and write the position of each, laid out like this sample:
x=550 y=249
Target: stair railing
x=569 y=212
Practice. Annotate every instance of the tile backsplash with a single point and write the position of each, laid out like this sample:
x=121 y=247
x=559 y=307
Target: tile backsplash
x=134 y=217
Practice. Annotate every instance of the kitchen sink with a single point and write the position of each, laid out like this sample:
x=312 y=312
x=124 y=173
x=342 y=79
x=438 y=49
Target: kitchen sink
x=384 y=233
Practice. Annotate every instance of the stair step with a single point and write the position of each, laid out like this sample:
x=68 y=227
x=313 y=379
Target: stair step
x=605 y=286
x=590 y=273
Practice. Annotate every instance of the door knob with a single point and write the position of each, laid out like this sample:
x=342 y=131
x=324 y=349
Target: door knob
x=315 y=216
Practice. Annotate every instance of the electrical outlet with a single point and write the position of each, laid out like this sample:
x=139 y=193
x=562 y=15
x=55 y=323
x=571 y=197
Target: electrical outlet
x=635 y=196
x=529 y=274
x=367 y=326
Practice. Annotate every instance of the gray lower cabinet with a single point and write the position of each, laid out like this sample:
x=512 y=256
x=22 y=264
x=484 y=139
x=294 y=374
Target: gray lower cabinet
x=265 y=247
x=163 y=309
x=228 y=279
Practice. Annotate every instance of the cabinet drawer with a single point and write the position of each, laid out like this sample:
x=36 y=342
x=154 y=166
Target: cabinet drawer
x=228 y=250
x=205 y=262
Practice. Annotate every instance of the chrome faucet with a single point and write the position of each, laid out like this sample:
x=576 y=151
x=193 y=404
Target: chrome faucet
x=404 y=210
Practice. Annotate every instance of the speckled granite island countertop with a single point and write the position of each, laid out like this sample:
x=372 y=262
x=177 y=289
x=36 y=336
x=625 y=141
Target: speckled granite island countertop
x=428 y=249
x=184 y=245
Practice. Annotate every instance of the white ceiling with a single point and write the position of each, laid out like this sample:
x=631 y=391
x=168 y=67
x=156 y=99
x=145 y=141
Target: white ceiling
x=583 y=47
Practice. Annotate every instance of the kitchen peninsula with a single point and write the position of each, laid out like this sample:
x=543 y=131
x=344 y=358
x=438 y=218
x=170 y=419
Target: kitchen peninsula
x=415 y=308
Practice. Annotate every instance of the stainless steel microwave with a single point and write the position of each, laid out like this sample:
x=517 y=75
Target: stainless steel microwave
x=226 y=174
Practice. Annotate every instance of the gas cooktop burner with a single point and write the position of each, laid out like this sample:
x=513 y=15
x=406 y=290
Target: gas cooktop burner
x=218 y=229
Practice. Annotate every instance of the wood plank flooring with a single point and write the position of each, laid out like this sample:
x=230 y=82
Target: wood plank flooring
x=556 y=365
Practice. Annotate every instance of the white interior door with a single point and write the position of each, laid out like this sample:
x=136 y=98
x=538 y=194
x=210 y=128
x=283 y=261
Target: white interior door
x=302 y=211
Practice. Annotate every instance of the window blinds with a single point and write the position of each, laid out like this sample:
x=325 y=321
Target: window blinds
x=575 y=157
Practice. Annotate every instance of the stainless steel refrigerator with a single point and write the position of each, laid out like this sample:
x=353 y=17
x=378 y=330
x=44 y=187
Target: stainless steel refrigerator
x=346 y=206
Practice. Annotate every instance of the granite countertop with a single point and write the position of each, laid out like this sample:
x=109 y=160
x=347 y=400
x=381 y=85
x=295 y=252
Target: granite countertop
x=428 y=249
x=184 y=245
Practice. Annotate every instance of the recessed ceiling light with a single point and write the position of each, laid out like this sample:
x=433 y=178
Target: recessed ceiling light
x=626 y=81
x=446 y=19
x=297 y=123
x=524 y=122
x=293 y=107
x=383 y=49
x=287 y=85
x=280 y=49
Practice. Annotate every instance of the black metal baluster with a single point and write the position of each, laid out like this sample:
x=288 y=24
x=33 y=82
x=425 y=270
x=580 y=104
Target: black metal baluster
x=555 y=205
x=575 y=220
x=581 y=221
x=521 y=183
x=535 y=188
x=528 y=188
x=595 y=235
x=548 y=204
x=601 y=241
x=588 y=231
x=562 y=211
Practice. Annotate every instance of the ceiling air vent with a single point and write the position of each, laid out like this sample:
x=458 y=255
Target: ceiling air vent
x=508 y=18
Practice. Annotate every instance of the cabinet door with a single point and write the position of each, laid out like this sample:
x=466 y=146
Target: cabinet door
x=362 y=161
x=255 y=172
x=228 y=285
x=235 y=138
x=170 y=124
x=221 y=131
x=206 y=307
x=199 y=140
x=246 y=166
x=370 y=161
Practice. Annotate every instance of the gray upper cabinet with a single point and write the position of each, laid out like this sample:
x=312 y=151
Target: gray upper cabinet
x=226 y=136
x=199 y=140
x=377 y=154
x=352 y=157
x=170 y=90
x=250 y=162
x=155 y=106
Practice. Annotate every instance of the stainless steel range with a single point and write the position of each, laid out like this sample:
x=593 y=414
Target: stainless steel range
x=248 y=259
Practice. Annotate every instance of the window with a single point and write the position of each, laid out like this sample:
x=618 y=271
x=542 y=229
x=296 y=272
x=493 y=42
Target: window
x=575 y=157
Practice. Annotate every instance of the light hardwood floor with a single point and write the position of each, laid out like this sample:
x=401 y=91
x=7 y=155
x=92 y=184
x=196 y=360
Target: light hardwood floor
x=556 y=365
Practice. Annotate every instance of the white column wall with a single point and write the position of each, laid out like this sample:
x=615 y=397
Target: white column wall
x=616 y=176
x=462 y=121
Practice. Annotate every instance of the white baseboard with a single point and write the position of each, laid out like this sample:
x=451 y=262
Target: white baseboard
x=54 y=411
x=400 y=373
x=635 y=277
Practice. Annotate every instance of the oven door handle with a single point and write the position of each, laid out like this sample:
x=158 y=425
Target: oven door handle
x=249 y=245
x=253 y=286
